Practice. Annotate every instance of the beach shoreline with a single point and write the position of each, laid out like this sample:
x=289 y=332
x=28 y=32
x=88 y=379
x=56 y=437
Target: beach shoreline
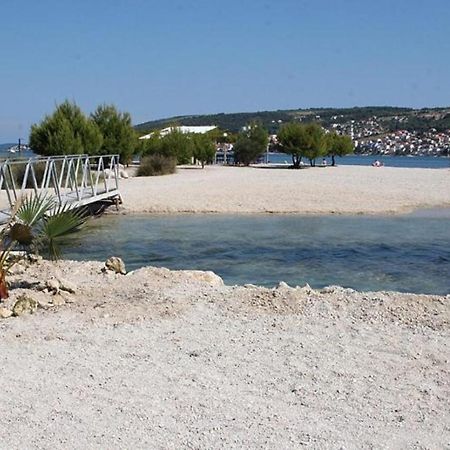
x=342 y=190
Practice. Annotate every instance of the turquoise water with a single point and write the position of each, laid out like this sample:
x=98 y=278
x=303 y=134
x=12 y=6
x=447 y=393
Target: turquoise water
x=407 y=253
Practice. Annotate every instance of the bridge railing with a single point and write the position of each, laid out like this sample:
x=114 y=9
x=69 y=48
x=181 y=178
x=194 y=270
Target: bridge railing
x=72 y=179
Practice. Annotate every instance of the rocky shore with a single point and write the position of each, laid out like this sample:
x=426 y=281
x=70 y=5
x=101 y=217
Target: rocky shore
x=176 y=359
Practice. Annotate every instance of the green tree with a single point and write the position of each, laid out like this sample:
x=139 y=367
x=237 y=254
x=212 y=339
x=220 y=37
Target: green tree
x=338 y=145
x=250 y=144
x=302 y=140
x=292 y=139
x=174 y=144
x=204 y=149
x=222 y=136
x=118 y=134
x=316 y=145
x=178 y=145
x=150 y=146
x=66 y=132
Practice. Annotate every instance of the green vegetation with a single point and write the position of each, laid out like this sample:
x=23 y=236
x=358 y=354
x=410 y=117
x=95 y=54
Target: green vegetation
x=204 y=149
x=337 y=145
x=182 y=147
x=69 y=132
x=66 y=132
x=118 y=134
x=311 y=141
x=250 y=144
x=17 y=175
x=421 y=122
x=176 y=145
x=153 y=165
x=302 y=140
x=32 y=228
x=229 y=122
x=315 y=142
x=272 y=120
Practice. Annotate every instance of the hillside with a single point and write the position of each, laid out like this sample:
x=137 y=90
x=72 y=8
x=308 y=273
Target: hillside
x=391 y=118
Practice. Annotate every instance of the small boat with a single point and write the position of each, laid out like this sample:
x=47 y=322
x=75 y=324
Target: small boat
x=18 y=148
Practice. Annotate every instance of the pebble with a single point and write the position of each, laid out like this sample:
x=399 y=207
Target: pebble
x=5 y=313
x=24 y=305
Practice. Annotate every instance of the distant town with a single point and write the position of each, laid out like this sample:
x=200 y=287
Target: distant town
x=371 y=137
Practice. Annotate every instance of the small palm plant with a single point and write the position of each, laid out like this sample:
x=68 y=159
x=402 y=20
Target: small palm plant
x=36 y=222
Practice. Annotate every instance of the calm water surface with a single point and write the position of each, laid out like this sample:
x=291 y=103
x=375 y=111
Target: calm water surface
x=424 y=162
x=407 y=253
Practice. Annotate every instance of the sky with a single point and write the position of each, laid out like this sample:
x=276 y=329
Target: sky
x=157 y=59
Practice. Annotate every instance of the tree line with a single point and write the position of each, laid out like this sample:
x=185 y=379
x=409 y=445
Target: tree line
x=300 y=140
x=68 y=131
x=108 y=131
x=183 y=147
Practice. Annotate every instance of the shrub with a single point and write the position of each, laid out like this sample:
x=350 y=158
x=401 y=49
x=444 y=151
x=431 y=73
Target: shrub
x=153 y=165
x=18 y=171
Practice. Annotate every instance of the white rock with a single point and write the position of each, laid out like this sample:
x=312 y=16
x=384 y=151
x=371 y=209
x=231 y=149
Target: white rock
x=208 y=277
x=123 y=174
x=53 y=285
x=116 y=265
x=5 y=313
x=306 y=289
x=58 y=301
x=282 y=285
x=67 y=286
x=44 y=304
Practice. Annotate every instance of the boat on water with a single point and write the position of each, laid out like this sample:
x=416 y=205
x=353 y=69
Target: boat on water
x=18 y=148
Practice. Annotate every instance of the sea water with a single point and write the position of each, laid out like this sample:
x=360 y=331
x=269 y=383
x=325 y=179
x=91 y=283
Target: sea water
x=424 y=162
x=408 y=253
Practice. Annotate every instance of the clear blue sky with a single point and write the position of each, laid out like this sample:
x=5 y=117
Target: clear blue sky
x=171 y=57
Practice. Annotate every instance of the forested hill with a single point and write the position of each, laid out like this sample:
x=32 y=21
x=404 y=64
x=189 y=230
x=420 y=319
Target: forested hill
x=420 y=119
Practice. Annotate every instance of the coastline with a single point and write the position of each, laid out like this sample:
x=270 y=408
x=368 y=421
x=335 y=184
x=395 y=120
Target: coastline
x=343 y=190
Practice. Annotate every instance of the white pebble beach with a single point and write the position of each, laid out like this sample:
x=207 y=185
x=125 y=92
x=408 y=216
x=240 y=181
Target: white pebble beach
x=176 y=359
x=239 y=190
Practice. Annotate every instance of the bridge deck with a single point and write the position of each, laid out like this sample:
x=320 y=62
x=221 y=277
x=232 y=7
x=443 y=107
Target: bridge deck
x=74 y=180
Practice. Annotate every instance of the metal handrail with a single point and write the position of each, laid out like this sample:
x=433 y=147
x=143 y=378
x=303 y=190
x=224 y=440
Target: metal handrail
x=71 y=179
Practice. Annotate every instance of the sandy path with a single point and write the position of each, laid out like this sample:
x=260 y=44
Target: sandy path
x=169 y=360
x=344 y=189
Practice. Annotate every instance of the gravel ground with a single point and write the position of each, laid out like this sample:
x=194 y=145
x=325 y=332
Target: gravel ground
x=338 y=190
x=169 y=360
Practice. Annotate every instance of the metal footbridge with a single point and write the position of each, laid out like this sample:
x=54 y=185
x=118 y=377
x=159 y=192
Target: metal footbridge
x=72 y=180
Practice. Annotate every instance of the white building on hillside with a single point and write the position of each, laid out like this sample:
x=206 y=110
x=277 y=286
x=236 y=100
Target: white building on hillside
x=184 y=129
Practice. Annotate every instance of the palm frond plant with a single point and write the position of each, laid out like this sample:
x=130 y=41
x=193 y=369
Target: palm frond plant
x=36 y=223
